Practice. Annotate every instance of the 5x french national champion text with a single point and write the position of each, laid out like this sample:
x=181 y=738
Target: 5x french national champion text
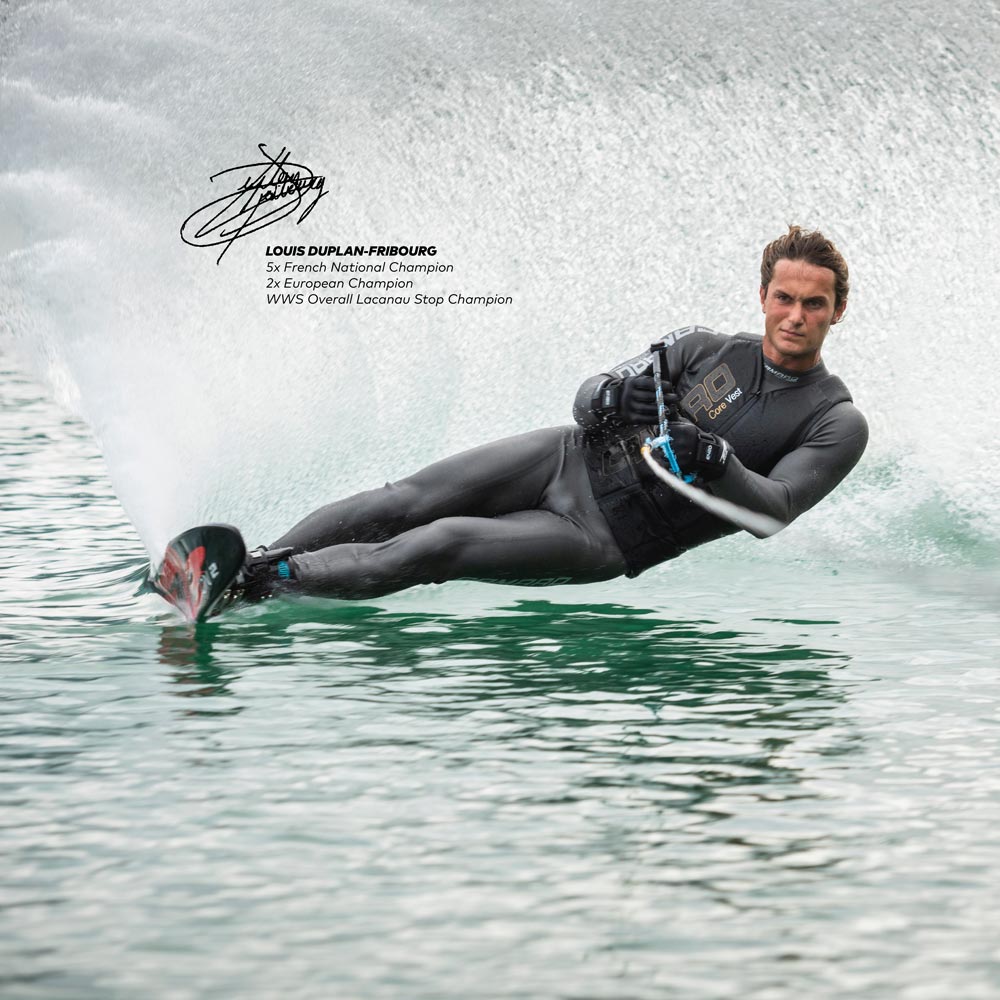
x=361 y=283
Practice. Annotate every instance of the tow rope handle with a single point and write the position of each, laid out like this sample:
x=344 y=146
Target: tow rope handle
x=664 y=413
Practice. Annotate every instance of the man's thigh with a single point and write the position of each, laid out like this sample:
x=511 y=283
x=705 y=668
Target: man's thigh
x=528 y=547
x=501 y=477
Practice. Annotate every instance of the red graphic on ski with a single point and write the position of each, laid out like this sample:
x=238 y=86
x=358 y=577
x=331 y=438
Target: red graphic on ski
x=198 y=567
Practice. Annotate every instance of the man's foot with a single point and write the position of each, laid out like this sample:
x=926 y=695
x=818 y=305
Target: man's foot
x=265 y=572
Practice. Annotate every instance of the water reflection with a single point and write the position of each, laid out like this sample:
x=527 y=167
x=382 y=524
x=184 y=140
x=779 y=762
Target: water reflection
x=531 y=646
x=676 y=711
x=189 y=649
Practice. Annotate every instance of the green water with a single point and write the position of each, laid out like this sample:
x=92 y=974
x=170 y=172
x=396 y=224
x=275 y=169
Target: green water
x=725 y=779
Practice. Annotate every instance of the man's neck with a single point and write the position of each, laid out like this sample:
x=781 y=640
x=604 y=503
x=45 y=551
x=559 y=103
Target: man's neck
x=792 y=363
x=779 y=375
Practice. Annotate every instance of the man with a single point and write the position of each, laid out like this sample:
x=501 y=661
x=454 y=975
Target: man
x=765 y=425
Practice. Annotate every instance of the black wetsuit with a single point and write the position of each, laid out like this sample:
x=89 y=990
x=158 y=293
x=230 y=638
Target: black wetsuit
x=576 y=504
x=794 y=437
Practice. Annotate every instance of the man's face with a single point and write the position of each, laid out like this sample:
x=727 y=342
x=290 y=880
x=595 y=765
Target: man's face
x=798 y=311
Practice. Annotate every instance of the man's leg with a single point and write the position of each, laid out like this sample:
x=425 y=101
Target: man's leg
x=485 y=482
x=529 y=547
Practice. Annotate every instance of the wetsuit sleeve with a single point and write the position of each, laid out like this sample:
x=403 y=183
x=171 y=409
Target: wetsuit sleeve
x=804 y=476
x=587 y=408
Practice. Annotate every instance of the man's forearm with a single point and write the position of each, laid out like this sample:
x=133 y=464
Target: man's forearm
x=755 y=492
x=803 y=477
x=589 y=408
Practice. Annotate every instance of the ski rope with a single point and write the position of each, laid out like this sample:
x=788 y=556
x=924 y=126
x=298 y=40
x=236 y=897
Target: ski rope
x=662 y=441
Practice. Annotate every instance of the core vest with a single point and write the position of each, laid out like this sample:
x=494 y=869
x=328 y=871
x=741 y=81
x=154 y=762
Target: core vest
x=725 y=394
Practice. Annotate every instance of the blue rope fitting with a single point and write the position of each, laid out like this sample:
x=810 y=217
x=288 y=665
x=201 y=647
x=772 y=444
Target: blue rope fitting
x=663 y=443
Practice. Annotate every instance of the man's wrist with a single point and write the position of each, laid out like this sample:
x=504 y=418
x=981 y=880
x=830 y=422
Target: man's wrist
x=712 y=455
x=588 y=406
x=607 y=398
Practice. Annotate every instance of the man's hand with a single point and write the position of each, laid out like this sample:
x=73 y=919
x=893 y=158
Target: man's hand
x=698 y=451
x=637 y=399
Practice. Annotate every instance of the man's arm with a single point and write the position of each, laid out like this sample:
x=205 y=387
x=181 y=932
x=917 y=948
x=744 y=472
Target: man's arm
x=803 y=477
x=596 y=400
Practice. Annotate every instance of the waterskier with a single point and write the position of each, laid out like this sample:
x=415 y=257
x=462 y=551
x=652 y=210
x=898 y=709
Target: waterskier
x=761 y=423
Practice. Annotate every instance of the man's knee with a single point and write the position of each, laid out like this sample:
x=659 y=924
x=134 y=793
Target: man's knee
x=434 y=550
x=415 y=501
x=393 y=503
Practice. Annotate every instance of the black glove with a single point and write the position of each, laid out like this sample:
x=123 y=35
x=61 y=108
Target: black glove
x=698 y=451
x=637 y=399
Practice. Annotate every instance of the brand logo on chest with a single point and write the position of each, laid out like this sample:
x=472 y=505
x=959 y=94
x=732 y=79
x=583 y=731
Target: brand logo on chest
x=714 y=395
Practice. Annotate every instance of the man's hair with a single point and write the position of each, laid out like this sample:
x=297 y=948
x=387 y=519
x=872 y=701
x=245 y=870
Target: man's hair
x=812 y=247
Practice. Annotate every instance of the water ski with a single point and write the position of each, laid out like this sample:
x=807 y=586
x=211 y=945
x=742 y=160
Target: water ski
x=198 y=567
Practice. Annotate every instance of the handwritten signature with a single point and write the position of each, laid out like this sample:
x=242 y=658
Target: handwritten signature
x=277 y=191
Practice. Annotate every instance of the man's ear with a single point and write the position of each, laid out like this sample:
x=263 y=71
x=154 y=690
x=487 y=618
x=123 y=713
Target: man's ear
x=838 y=313
x=763 y=295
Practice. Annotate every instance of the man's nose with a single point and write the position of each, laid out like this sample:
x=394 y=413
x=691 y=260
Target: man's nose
x=796 y=315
